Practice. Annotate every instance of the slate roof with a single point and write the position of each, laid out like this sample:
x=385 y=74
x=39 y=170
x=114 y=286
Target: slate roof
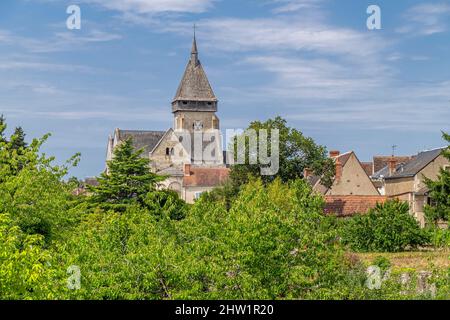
x=413 y=167
x=384 y=172
x=379 y=162
x=194 y=85
x=142 y=139
x=346 y=206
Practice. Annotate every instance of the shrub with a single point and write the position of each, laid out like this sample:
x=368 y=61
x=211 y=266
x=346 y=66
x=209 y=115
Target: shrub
x=24 y=265
x=387 y=228
x=269 y=245
x=439 y=237
x=382 y=262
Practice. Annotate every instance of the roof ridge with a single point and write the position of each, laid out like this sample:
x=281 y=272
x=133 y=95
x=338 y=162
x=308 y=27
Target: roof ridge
x=435 y=149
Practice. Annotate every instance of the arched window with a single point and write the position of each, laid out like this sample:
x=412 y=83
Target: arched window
x=167 y=151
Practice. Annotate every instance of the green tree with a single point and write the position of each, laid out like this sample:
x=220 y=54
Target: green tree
x=389 y=227
x=166 y=203
x=24 y=264
x=297 y=153
x=440 y=191
x=127 y=180
x=2 y=128
x=18 y=139
x=269 y=245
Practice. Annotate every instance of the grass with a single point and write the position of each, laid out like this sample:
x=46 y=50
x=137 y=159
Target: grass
x=419 y=261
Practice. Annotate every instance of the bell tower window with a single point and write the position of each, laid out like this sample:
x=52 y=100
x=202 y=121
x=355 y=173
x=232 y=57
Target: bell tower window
x=197 y=125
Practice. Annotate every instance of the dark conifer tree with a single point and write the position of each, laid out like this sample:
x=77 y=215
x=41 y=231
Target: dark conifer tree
x=127 y=180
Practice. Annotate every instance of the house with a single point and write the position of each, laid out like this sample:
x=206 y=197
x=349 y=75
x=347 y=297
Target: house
x=405 y=180
x=197 y=180
x=352 y=191
x=351 y=178
x=379 y=162
x=194 y=141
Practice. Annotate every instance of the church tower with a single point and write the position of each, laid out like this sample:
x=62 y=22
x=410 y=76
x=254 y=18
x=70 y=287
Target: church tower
x=194 y=105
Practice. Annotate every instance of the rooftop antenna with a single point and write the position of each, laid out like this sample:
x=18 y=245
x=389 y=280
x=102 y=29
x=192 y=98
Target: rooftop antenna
x=394 y=147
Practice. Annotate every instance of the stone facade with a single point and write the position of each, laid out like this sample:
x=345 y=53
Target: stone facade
x=406 y=181
x=194 y=139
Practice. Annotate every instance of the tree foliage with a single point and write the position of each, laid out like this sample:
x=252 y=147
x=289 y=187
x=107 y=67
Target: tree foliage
x=440 y=191
x=24 y=271
x=389 y=227
x=297 y=153
x=271 y=241
x=127 y=180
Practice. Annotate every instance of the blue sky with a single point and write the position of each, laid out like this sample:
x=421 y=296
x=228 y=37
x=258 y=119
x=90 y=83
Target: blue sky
x=313 y=62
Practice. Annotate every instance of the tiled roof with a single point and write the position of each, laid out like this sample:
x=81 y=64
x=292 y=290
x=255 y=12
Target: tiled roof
x=343 y=158
x=315 y=181
x=206 y=177
x=142 y=139
x=385 y=171
x=413 y=167
x=344 y=206
x=368 y=167
x=379 y=162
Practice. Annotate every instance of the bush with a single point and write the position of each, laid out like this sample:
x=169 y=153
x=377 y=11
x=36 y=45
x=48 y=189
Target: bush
x=382 y=262
x=439 y=237
x=269 y=245
x=387 y=228
x=24 y=265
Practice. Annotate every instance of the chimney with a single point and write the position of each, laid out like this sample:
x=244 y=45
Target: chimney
x=338 y=174
x=334 y=153
x=307 y=172
x=392 y=163
x=187 y=169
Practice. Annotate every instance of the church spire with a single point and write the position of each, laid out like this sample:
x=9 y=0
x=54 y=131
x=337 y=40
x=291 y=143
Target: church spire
x=194 y=51
x=194 y=92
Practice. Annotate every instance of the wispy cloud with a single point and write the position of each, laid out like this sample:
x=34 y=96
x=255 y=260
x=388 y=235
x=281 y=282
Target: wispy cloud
x=155 y=6
x=426 y=19
x=300 y=78
x=281 y=34
x=284 y=6
x=60 y=41
x=14 y=64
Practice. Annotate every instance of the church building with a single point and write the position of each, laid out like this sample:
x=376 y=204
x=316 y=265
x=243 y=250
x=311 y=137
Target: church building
x=190 y=153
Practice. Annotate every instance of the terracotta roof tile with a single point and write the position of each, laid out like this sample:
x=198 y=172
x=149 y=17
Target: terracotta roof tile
x=368 y=167
x=206 y=177
x=344 y=206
